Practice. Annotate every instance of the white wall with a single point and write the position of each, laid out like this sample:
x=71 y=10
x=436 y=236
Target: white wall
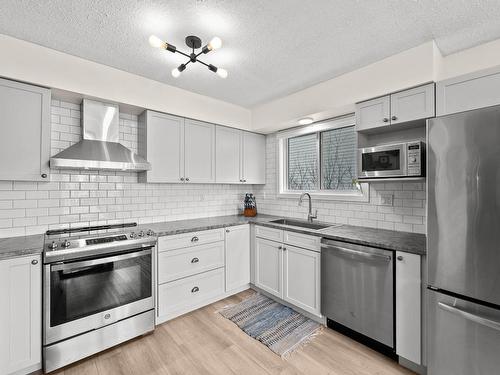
x=75 y=198
x=338 y=95
x=32 y=63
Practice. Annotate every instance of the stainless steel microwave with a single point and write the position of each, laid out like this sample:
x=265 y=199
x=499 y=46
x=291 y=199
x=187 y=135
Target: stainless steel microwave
x=394 y=160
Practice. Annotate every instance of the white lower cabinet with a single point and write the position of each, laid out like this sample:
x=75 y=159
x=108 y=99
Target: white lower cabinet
x=289 y=272
x=20 y=315
x=186 y=294
x=237 y=250
x=408 y=307
x=301 y=278
x=269 y=266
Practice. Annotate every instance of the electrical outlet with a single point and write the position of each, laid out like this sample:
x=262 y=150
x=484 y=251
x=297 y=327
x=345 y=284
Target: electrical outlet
x=386 y=199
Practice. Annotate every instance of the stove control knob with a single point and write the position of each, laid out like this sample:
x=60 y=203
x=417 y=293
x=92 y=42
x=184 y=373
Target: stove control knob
x=141 y=233
x=67 y=244
x=53 y=245
x=133 y=235
x=150 y=232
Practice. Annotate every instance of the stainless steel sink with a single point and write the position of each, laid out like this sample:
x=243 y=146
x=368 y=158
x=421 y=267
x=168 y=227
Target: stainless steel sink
x=302 y=224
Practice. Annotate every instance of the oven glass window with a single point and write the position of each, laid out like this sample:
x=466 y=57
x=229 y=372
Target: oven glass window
x=381 y=161
x=80 y=289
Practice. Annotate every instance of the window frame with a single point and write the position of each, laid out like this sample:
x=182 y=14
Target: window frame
x=362 y=194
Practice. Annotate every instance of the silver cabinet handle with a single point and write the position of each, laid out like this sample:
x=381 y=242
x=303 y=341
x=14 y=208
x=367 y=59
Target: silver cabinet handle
x=387 y=258
x=227 y=230
x=194 y=239
x=385 y=119
x=34 y=262
x=399 y=258
x=280 y=247
x=469 y=316
x=195 y=260
x=44 y=175
x=284 y=248
x=182 y=178
x=195 y=289
x=187 y=178
x=394 y=118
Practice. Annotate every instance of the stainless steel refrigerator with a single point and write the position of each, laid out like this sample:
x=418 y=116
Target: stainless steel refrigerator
x=464 y=243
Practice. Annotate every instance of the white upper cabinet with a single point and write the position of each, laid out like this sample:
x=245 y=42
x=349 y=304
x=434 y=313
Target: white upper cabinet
x=20 y=315
x=373 y=113
x=161 y=142
x=228 y=155
x=413 y=104
x=24 y=131
x=408 y=105
x=301 y=278
x=237 y=257
x=190 y=151
x=199 y=151
x=254 y=158
x=468 y=92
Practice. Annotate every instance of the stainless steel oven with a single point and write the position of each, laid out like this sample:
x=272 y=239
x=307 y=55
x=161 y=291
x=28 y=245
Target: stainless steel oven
x=97 y=288
x=394 y=160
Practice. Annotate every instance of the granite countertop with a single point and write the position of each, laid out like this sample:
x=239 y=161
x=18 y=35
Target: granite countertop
x=12 y=247
x=386 y=239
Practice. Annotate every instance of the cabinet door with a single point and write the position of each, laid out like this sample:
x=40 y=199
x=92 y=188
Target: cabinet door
x=301 y=278
x=373 y=113
x=199 y=154
x=268 y=266
x=20 y=314
x=237 y=257
x=24 y=131
x=164 y=138
x=227 y=155
x=413 y=104
x=254 y=158
x=408 y=307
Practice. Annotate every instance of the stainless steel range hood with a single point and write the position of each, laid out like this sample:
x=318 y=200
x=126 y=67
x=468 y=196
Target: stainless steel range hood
x=100 y=147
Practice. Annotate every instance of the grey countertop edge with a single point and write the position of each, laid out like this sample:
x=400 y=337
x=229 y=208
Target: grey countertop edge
x=12 y=247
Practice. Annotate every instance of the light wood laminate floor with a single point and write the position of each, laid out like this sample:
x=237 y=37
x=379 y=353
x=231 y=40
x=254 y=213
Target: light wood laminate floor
x=203 y=342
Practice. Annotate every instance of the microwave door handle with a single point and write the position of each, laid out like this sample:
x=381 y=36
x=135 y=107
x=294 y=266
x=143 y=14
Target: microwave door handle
x=386 y=258
x=94 y=262
x=469 y=316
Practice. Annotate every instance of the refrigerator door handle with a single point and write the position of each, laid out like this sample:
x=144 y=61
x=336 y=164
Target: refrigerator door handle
x=469 y=316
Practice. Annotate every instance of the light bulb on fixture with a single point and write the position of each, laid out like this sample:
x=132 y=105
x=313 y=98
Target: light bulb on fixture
x=156 y=42
x=222 y=72
x=306 y=121
x=215 y=43
x=177 y=71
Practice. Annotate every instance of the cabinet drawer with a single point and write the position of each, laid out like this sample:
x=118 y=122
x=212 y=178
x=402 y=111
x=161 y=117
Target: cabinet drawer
x=302 y=240
x=180 y=263
x=269 y=233
x=190 y=291
x=178 y=241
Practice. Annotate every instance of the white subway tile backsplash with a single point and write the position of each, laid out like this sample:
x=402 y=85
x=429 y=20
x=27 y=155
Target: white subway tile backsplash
x=406 y=214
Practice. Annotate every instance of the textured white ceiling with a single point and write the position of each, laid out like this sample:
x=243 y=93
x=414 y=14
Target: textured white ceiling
x=271 y=48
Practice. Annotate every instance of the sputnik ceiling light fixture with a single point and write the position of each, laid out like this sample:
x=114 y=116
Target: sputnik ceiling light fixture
x=194 y=43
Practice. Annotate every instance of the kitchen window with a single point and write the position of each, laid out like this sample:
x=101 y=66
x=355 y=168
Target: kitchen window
x=321 y=159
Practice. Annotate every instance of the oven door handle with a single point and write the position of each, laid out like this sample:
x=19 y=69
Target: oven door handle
x=95 y=262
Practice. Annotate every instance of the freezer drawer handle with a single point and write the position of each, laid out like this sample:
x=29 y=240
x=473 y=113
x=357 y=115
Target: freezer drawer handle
x=472 y=317
x=387 y=258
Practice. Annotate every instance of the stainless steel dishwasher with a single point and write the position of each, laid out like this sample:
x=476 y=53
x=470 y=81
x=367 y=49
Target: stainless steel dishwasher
x=357 y=294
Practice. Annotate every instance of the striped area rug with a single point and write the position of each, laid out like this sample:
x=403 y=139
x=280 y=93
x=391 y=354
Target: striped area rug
x=280 y=328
